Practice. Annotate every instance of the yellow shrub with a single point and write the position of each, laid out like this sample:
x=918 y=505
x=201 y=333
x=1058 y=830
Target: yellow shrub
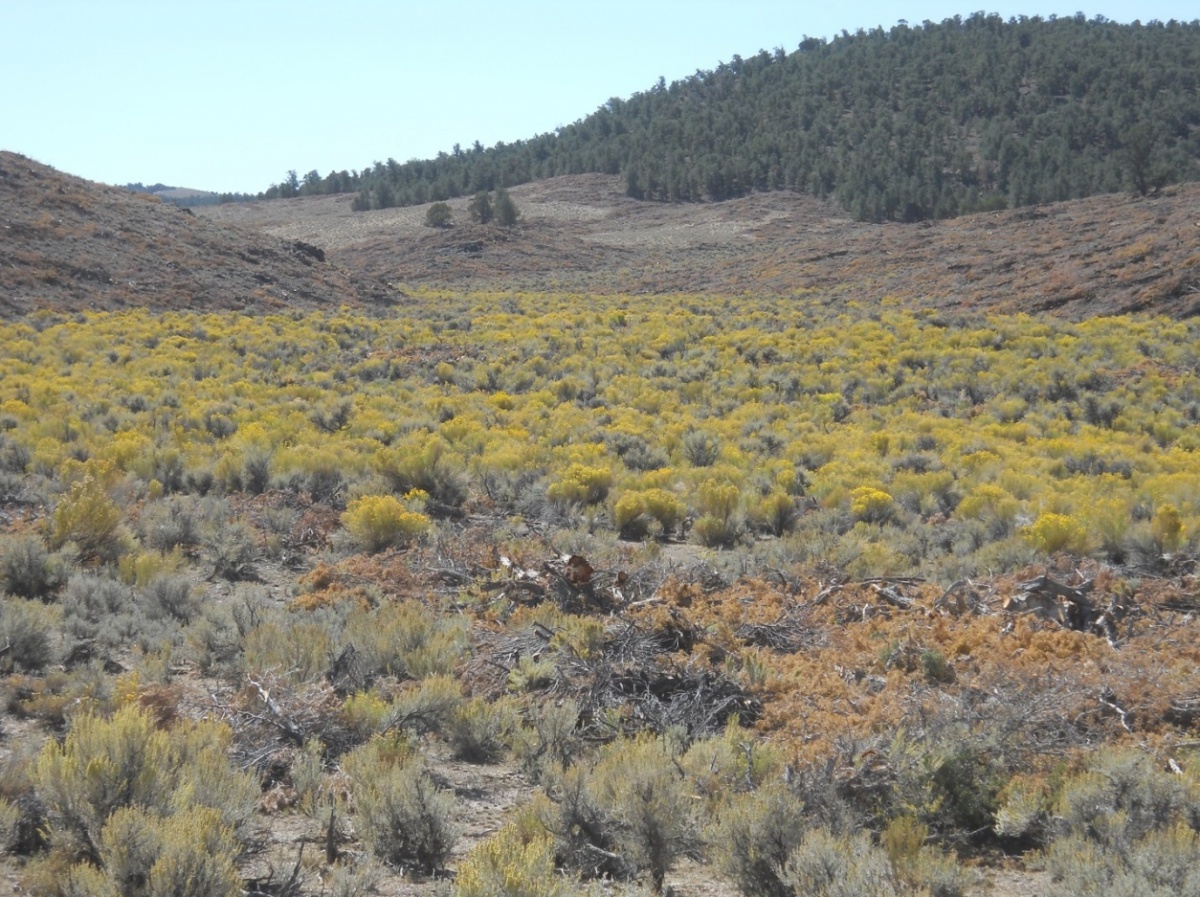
x=718 y=500
x=581 y=484
x=870 y=504
x=1167 y=527
x=380 y=521
x=512 y=862
x=88 y=517
x=1057 y=532
x=634 y=510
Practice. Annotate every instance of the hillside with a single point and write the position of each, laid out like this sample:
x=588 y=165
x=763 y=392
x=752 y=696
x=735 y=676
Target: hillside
x=71 y=245
x=908 y=124
x=1103 y=255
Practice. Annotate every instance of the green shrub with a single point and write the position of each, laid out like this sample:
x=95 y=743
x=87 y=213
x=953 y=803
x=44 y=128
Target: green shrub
x=551 y=741
x=581 y=485
x=634 y=512
x=170 y=597
x=777 y=513
x=406 y=640
x=28 y=634
x=701 y=449
x=232 y=549
x=170 y=523
x=716 y=532
x=100 y=608
x=402 y=816
x=105 y=765
x=190 y=853
x=427 y=707
x=1163 y=863
x=27 y=569
x=1122 y=797
x=439 y=215
x=872 y=505
x=297 y=649
x=754 y=836
x=479 y=730
x=633 y=805
x=428 y=466
x=824 y=865
x=731 y=761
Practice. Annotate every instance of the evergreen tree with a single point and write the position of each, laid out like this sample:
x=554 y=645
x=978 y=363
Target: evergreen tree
x=505 y=209
x=480 y=209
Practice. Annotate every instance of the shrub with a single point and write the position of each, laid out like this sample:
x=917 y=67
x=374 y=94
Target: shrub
x=777 y=512
x=1160 y=864
x=170 y=598
x=406 y=640
x=186 y=854
x=1122 y=797
x=87 y=517
x=505 y=208
x=439 y=215
x=27 y=569
x=403 y=818
x=629 y=516
x=171 y=523
x=232 y=549
x=701 y=449
x=377 y=522
x=582 y=485
x=1167 y=527
x=824 y=865
x=551 y=741
x=427 y=466
x=105 y=765
x=1052 y=533
x=98 y=607
x=639 y=787
x=479 y=730
x=753 y=838
x=297 y=649
x=717 y=532
x=720 y=525
x=871 y=505
x=511 y=863
x=27 y=634
x=634 y=512
x=426 y=707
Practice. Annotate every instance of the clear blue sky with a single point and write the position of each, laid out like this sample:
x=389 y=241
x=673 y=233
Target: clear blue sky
x=229 y=94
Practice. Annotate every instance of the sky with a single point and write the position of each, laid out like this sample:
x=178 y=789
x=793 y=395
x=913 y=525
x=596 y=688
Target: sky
x=228 y=95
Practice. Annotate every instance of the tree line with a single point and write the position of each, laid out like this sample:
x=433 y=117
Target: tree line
x=911 y=123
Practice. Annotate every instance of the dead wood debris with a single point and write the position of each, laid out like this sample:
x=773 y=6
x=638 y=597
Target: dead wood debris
x=635 y=680
x=788 y=633
x=1068 y=606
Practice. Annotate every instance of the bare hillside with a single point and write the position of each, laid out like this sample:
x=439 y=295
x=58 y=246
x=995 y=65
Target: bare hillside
x=1103 y=255
x=70 y=244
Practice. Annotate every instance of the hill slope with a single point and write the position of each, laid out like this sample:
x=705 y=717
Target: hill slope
x=908 y=124
x=1102 y=255
x=71 y=244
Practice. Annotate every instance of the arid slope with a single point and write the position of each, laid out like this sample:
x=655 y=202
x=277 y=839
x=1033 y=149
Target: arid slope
x=68 y=244
x=1103 y=255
